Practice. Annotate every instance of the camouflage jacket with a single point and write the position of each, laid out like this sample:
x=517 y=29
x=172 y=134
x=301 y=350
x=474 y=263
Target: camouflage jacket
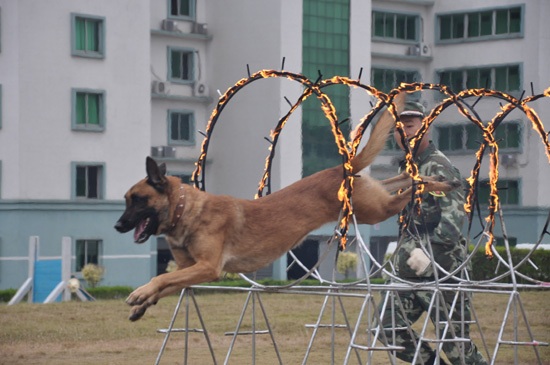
x=440 y=219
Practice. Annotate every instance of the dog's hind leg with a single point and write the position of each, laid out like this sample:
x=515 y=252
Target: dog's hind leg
x=138 y=311
x=401 y=181
x=431 y=183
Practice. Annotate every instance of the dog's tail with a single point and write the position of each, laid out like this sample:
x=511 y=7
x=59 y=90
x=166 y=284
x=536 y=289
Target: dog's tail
x=378 y=137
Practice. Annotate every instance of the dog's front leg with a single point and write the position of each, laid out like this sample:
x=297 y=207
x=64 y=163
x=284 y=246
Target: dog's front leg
x=170 y=283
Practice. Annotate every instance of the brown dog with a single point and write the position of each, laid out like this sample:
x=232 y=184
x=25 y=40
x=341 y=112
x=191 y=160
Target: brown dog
x=209 y=233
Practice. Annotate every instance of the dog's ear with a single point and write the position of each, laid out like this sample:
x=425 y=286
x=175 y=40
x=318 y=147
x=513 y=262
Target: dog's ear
x=156 y=174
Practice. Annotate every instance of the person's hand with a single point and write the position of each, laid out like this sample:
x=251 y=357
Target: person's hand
x=418 y=261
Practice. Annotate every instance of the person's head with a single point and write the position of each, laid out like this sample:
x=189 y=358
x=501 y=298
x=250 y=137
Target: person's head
x=411 y=117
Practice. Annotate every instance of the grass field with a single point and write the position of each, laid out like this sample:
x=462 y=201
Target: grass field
x=99 y=333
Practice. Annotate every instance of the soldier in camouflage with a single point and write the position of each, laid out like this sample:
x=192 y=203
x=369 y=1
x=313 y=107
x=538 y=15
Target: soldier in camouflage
x=439 y=221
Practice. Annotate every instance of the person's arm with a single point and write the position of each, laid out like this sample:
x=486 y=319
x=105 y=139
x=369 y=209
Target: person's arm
x=450 y=207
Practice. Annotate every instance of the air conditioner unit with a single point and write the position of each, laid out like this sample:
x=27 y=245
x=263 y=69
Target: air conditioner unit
x=200 y=28
x=169 y=25
x=157 y=151
x=200 y=89
x=413 y=50
x=508 y=160
x=425 y=50
x=158 y=87
x=169 y=151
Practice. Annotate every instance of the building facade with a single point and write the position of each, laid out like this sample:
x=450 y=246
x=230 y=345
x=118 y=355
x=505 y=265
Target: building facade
x=105 y=84
x=500 y=45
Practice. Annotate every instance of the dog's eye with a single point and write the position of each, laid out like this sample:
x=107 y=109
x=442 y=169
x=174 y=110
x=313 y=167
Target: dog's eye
x=138 y=199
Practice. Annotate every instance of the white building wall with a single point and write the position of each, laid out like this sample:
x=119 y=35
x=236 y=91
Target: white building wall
x=238 y=148
x=178 y=96
x=289 y=160
x=45 y=74
x=360 y=59
x=9 y=59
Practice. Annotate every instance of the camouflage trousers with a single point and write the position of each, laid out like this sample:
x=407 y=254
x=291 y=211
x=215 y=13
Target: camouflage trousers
x=414 y=304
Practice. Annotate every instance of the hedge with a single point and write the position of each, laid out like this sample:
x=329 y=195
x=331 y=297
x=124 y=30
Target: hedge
x=484 y=268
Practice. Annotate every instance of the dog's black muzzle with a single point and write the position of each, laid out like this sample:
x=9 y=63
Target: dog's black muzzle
x=123 y=226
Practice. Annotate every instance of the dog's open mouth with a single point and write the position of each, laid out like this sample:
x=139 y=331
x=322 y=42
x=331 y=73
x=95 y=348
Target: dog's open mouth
x=144 y=230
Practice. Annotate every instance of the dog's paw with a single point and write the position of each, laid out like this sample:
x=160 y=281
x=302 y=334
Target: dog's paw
x=455 y=184
x=144 y=295
x=137 y=312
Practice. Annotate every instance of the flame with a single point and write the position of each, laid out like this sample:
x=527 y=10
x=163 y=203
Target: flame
x=348 y=149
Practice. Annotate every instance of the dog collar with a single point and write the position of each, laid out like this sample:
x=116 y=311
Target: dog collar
x=179 y=209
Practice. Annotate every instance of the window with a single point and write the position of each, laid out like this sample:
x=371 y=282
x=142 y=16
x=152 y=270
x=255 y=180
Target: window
x=184 y=177
x=508 y=135
x=451 y=138
x=88 y=38
x=508 y=192
x=181 y=9
x=87 y=252
x=479 y=24
x=508 y=21
x=385 y=79
x=88 y=110
x=502 y=78
x=478 y=78
x=502 y=22
x=512 y=241
x=395 y=26
x=453 y=79
x=181 y=65
x=88 y=181
x=468 y=137
x=181 y=127
x=507 y=78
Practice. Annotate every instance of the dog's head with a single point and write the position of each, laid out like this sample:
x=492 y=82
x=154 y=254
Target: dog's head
x=147 y=204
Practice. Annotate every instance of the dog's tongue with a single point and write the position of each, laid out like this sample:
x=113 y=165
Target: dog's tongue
x=139 y=229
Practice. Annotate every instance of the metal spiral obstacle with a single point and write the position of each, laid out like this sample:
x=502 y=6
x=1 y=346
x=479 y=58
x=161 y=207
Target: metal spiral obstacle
x=366 y=335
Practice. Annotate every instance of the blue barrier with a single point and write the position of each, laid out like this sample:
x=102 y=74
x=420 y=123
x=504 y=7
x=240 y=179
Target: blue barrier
x=47 y=274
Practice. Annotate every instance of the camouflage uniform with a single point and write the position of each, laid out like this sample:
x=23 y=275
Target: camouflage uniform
x=439 y=223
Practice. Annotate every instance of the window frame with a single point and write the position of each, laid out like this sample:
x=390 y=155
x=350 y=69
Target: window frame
x=190 y=17
x=493 y=69
x=466 y=25
x=415 y=73
x=192 y=128
x=85 y=241
x=191 y=57
x=502 y=201
x=394 y=38
x=465 y=149
x=101 y=113
x=100 y=53
x=100 y=181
